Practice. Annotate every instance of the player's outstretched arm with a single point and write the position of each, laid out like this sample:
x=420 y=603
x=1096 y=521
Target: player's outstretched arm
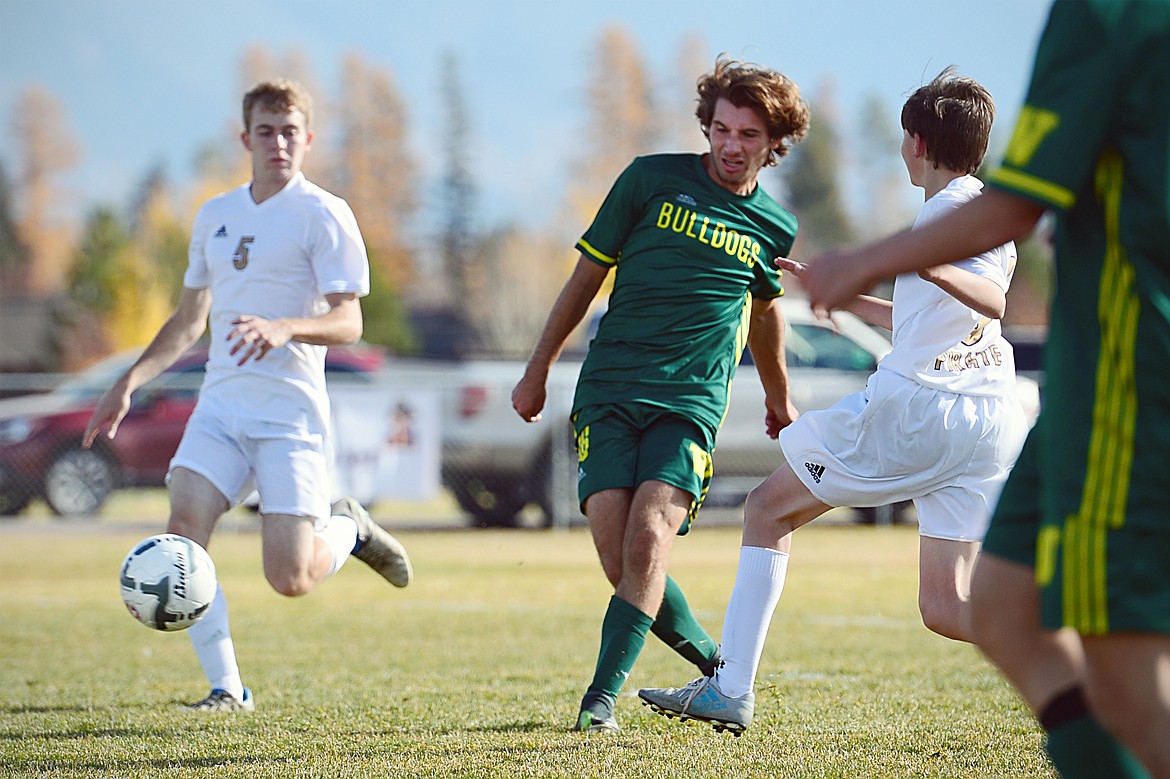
x=530 y=393
x=990 y=220
x=178 y=334
x=876 y=311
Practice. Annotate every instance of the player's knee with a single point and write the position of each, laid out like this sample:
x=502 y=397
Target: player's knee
x=644 y=545
x=290 y=583
x=763 y=507
x=944 y=616
x=189 y=525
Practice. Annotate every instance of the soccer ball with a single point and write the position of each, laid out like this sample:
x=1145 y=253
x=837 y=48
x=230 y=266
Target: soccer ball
x=168 y=582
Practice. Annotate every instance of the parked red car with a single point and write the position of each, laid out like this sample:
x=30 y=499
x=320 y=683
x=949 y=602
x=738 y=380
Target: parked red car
x=40 y=435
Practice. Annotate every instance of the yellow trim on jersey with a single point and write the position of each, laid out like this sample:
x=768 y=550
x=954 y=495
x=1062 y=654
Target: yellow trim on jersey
x=605 y=258
x=1111 y=442
x=1027 y=184
x=741 y=338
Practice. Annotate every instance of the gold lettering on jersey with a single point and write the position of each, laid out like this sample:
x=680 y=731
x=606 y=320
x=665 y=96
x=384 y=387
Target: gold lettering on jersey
x=955 y=361
x=1032 y=128
x=240 y=258
x=718 y=236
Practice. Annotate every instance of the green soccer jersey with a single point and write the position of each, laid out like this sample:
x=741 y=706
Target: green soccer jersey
x=1092 y=143
x=689 y=256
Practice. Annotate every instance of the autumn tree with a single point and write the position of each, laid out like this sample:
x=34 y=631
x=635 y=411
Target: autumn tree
x=458 y=192
x=811 y=175
x=375 y=170
x=681 y=131
x=621 y=122
x=116 y=296
x=883 y=176
x=259 y=63
x=45 y=150
x=160 y=233
x=517 y=273
x=14 y=253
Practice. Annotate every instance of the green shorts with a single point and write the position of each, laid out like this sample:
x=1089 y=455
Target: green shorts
x=621 y=446
x=1091 y=577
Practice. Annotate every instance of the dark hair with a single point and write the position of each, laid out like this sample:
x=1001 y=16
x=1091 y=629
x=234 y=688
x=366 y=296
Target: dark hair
x=775 y=96
x=277 y=95
x=953 y=115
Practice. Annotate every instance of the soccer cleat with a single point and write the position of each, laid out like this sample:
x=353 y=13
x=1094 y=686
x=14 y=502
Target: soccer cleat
x=702 y=700
x=375 y=547
x=222 y=700
x=591 y=722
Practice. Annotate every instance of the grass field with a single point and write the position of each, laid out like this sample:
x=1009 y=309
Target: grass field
x=476 y=669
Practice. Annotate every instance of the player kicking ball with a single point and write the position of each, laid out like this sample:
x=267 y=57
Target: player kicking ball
x=937 y=423
x=277 y=265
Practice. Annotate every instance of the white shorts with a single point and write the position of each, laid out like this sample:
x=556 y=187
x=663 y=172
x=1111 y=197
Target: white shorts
x=899 y=440
x=287 y=464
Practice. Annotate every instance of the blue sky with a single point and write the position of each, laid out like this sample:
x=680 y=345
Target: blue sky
x=150 y=81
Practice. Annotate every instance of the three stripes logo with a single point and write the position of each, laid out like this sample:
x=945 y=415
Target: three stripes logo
x=817 y=471
x=221 y=232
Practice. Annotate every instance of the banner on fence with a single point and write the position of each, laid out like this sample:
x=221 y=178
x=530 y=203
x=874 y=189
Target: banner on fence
x=387 y=443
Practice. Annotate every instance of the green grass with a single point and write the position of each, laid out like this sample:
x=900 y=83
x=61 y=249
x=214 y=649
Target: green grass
x=477 y=668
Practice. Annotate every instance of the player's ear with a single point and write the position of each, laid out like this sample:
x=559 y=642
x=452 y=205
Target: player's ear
x=247 y=141
x=919 y=146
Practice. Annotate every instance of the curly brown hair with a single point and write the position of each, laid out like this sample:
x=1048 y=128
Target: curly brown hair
x=772 y=94
x=277 y=95
x=953 y=115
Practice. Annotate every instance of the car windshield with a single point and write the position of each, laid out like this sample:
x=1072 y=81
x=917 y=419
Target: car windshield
x=813 y=346
x=96 y=379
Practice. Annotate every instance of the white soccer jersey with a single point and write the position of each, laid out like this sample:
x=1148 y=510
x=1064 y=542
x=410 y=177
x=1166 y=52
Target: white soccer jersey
x=938 y=341
x=274 y=259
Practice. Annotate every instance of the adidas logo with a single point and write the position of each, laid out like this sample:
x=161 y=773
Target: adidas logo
x=817 y=471
x=221 y=232
x=686 y=199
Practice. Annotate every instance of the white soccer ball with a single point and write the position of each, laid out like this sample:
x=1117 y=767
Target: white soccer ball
x=168 y=582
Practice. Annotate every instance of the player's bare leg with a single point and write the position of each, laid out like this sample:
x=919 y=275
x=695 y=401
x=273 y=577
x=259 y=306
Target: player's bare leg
x=1129 y=689
x=656 y=513
x=773 y=510
x=295 y=560
x=608 y=511
x=944 y=585
x=634 y=533
x=1005 y=622
x=196 y=506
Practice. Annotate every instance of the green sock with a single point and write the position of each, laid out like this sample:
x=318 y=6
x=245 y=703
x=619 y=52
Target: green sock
x=1079 y=747
x=623 y=634
x=679 y=630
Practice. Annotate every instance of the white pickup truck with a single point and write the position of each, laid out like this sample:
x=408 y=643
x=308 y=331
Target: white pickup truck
x=495 y=464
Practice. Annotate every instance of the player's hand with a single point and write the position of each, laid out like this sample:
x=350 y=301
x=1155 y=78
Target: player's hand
x=528 y=398
x=797 y=269
x=832 y=279
x=111 y=408
x=779 y=417
x=255 y=337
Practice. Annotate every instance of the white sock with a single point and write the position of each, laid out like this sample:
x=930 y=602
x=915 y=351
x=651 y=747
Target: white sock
x=340 y=536
x=212 y=640
x=758 y=584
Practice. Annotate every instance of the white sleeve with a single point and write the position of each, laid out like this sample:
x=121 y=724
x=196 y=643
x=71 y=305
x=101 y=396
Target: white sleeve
x=197 y=275
x=338 y=252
